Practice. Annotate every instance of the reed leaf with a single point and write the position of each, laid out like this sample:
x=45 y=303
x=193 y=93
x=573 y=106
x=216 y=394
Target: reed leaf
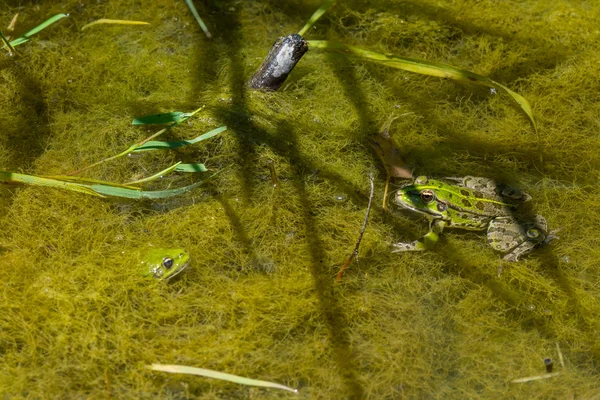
x=191 y=168
x=425 y=68
x=164 y=118
x=209 y=373
x=157 y=145
x=203 y=26
x=117 y=191
x=316 y=15
x=114 y=22
x=27 y=36
x=97 y=188
x=156 y=175
x=13 y=177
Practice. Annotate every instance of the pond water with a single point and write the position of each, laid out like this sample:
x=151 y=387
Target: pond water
x=259 y=298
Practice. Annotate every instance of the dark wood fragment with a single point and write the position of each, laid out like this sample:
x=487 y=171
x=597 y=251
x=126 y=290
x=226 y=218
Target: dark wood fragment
x=281 y=60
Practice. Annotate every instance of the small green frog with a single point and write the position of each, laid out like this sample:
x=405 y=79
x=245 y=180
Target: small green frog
x=161 y=263
x=476 y=204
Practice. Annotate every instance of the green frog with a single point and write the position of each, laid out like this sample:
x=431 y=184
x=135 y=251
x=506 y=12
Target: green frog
x=476 y=204
x=162 y=263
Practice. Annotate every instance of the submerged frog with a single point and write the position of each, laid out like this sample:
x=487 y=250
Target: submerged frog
x=477 y=204
x=161 y=263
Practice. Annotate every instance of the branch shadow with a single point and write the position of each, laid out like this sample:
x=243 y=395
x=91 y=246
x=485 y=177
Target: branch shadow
x=27 y=138
x=248 y=135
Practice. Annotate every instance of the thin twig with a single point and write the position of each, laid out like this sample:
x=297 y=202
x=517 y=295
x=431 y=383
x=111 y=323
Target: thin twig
x=547 y=375
x=535 y=378
x=362 y=231
x=561 y=359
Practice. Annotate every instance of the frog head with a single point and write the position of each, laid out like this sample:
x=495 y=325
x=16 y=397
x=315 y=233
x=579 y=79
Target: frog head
x=162 y=263
x=422 y=196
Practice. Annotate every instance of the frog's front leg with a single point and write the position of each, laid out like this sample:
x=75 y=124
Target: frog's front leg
x=426 y=242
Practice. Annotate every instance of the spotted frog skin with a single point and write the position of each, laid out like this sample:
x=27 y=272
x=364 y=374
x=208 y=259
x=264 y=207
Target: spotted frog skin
x=475 y=204
x=162 y=263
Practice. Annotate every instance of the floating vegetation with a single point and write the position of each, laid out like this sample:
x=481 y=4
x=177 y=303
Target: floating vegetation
x=203 y=26
x=27 y=36
x=209 y=373
x=110 y=189
x=13 y=23
x=163 y=118
x=175 y=118
x=548 y=364
x=157 y=145
x=102 y=188
x=315 y=17
x=104 y=21
x=424 y=68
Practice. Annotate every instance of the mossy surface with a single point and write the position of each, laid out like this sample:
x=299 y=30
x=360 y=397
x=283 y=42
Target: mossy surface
x=259 y=298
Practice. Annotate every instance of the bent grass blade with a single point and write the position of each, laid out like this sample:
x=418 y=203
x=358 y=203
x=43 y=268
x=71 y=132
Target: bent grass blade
x=157 y=175
x=27 y=36
x=177 y=167
x=95 y=187
x=136 y=145
x=316 y=15
x=156 y=145
x=191 y=168
x=425 y=68
x=203 y=26
x=143 y=194
x=13 y=177
x=209 y=373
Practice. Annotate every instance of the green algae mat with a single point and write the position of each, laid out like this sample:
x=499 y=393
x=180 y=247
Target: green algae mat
x=268 y=234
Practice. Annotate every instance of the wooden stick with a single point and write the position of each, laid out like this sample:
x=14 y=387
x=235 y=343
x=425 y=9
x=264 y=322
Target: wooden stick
x=279 y=63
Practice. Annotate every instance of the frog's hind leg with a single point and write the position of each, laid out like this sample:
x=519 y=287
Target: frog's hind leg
x=516 y=238
x=426 y=242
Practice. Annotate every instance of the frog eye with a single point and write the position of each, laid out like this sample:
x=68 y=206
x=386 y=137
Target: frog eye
x=533 y=233
x=427 y=196
x=167 y=262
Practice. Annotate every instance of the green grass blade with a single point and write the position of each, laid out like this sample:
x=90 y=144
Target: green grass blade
x=164 y=118
x=157 y=175
x=43 y=25
x=116 y=191
x=426 y=68
x=101 y=188
x=19 y=41
x=203 y=26
x=13 y=177
x=135 y=146
x=316 y=15
x=157 y=145
x=86 y=181
x=191 y=168
x=209 y=373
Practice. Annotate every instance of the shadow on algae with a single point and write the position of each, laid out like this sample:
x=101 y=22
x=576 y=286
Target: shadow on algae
x=259 y=298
